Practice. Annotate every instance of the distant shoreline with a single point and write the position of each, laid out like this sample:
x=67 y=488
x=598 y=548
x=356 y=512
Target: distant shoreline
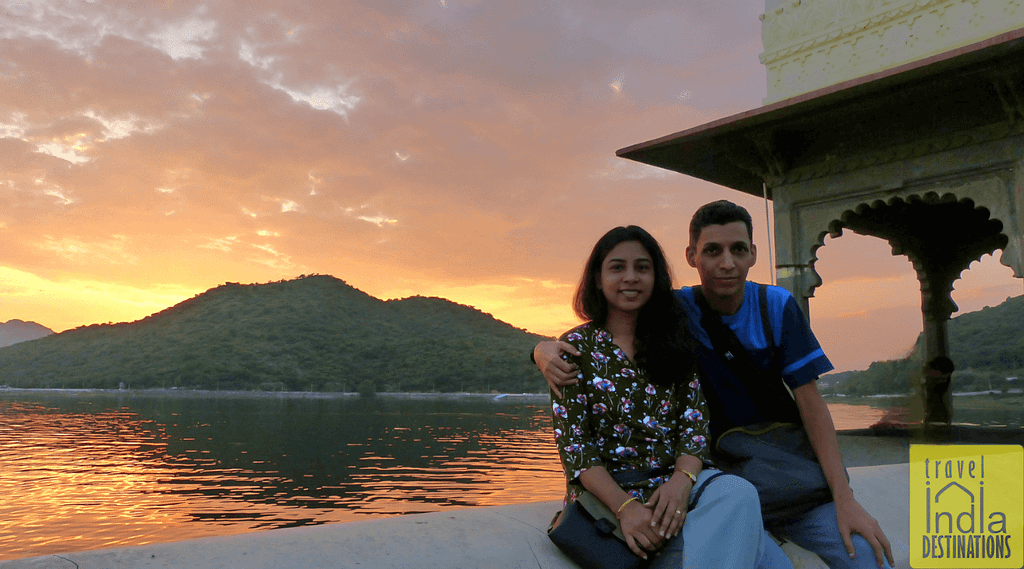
x=185 y=393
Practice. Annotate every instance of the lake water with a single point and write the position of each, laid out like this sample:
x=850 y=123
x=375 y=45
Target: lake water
x=87 y=470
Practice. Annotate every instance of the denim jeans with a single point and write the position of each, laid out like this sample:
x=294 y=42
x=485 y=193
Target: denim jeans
x=723 y=531
x=818 y=532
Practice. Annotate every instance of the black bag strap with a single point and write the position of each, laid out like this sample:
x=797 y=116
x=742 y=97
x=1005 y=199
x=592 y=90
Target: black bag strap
x=703 y=486
x=766 y=323
x=733 y=352
x=725 y=341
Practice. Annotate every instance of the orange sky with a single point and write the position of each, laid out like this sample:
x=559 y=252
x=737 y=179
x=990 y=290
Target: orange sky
x=462 y=149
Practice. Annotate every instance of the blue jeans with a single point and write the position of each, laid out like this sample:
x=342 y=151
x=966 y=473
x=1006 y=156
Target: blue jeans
x=818 y=532
x=723 y=531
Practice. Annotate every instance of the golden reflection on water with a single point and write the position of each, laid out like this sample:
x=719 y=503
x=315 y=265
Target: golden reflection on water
x=93 y=472
x=80 y=482
x=850 y=417
x=77 y=476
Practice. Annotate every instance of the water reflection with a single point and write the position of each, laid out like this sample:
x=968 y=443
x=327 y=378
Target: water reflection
x=97 y=471
x=850 y=417
x=91 y=470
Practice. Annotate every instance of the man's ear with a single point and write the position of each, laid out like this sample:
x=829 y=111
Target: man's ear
x=691 y=256
x=753 y=254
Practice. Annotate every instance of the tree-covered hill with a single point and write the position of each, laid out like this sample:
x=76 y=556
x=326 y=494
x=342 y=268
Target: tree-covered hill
x=14 y=331
x=313 y=333
x=986 y=346
x=991 y=338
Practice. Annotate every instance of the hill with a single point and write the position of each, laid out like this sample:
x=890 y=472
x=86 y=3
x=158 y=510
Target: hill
x=986 y=346
x=15 y=331
x=312 y=333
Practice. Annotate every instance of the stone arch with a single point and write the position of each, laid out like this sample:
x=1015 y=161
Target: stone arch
x=941 y=235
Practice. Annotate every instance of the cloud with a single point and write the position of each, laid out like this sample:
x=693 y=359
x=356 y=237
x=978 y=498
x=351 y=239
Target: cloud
x=462 y=149
x=58 y=193
x=274 y=259
x=325 y=98
x=62 y=151
x=225 y=244
x=14 y=126
x=113 y=250
x=122 y=127
x=184 y=39
x=247 y=53
x=619 y=169
x=378 y=220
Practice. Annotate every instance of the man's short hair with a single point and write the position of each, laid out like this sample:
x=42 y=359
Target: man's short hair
x=720 y=212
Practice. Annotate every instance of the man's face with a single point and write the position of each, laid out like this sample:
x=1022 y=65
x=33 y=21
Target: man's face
x=723 y=256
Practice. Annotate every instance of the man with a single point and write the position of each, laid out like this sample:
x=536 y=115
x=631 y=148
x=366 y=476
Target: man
x=721 y=249
x=938 y=404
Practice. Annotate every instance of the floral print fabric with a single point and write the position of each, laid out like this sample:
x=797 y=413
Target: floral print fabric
x=616 y=418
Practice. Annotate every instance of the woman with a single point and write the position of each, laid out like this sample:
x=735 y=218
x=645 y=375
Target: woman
x=633 y=432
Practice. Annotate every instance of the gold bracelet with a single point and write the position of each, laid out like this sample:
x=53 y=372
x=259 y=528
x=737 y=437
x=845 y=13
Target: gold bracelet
x=619 y=511
x=693 y=477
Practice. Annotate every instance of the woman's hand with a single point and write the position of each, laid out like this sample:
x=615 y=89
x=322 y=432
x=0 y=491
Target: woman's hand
x=635 y=520
x=669 y=504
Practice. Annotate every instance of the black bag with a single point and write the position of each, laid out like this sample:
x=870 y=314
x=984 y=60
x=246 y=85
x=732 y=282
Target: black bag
x=777 y=458
x=589 y=534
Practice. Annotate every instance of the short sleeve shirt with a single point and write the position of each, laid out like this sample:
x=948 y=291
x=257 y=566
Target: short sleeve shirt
x=616 y=418
x=801 y=358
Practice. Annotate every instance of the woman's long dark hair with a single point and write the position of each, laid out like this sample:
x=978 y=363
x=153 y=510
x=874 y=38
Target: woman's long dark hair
x=664 y=347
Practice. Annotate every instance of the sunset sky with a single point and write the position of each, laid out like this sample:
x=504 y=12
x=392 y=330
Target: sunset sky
x=464 y=149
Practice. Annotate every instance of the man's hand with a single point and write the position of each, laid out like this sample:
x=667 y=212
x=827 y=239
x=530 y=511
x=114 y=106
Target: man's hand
x=849 y=514
x=852 y=518
x=669 y=504
x=635 y=520
x=556 y=370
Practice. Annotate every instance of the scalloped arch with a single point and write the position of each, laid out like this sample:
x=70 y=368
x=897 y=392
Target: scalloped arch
x=981 y=229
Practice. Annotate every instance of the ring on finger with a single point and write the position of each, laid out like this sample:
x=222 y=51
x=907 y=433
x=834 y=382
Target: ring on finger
x=679 y=513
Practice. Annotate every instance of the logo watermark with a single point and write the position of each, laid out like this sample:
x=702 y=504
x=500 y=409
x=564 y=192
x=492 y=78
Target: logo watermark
x=967 y=506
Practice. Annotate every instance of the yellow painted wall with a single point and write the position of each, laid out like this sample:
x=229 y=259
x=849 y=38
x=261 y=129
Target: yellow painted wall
x=810 y=44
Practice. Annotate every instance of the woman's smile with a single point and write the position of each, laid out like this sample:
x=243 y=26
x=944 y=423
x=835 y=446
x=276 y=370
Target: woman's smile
x=627 y=277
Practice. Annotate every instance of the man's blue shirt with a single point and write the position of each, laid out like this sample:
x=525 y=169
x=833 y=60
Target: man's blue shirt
x=736 y=401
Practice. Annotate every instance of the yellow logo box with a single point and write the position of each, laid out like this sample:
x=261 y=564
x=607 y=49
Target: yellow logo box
x=967 y=506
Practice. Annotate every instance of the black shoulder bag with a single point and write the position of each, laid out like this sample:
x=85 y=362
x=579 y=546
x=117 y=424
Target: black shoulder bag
x=589 y=533
x=777 y=458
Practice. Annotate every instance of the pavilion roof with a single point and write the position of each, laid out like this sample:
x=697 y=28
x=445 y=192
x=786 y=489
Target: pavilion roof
x=972 y=86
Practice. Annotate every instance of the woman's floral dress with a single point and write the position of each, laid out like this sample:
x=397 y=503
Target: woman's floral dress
x=616 y=418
